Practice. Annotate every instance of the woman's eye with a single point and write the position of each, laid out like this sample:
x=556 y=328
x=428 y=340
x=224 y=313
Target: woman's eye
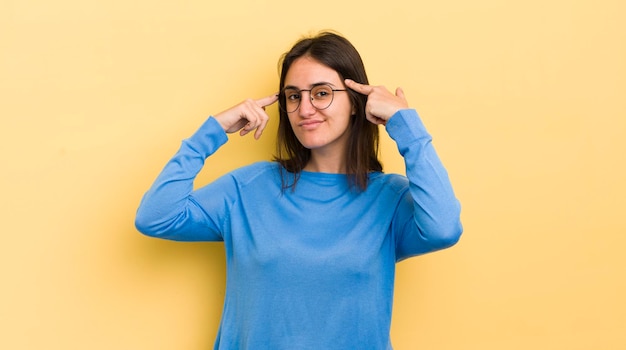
x=293 y=97
x=322 y=93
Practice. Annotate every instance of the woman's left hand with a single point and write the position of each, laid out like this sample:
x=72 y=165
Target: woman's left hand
x=381 y=103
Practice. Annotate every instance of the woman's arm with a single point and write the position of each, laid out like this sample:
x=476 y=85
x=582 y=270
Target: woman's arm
x=168 y=210
x=428 y=218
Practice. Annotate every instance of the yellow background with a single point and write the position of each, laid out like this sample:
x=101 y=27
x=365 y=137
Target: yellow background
x=526 y=102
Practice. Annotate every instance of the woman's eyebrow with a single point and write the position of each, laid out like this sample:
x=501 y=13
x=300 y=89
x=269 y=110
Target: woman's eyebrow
x=310 y=86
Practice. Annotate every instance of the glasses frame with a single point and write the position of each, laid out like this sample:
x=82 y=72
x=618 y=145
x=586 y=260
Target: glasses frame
x=311 y=98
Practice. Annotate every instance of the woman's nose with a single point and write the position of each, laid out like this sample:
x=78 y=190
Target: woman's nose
x=306 y=107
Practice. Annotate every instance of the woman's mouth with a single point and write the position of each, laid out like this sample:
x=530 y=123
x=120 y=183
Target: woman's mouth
x=310 y=124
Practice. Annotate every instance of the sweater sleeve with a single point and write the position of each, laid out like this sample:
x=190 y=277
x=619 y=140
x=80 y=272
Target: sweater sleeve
x=168 y=209
x=428 y=217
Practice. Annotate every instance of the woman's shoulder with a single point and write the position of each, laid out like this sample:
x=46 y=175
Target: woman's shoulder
x=256 y=171
x=393 y=182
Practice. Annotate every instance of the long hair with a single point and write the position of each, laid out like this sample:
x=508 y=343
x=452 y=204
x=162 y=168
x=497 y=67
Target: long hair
x=336 y=52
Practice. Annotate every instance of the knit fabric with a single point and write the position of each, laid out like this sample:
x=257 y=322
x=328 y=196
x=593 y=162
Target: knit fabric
x=313 y=267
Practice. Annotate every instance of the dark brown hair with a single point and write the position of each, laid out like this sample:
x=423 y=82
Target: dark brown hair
x=336 y=52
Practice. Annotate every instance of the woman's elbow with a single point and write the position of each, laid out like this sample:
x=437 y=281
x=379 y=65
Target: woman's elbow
x=145 y=225
x=142 y=226
x=448 y=236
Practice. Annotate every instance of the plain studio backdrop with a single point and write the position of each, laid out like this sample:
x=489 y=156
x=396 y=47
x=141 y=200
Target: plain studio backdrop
x=526 y=102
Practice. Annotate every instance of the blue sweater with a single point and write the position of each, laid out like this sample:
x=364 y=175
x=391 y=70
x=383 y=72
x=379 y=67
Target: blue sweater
x=311 y=268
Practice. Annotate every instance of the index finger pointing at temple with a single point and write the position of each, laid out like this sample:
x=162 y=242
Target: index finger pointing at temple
x=267 y=101
x=360 y=88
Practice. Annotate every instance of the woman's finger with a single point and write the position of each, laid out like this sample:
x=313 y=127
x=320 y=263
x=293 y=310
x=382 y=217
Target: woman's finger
x=254 y=113
x=400 y=93
x=360 y=88
x=267 y=101
x=261 y=128
x=261 y=117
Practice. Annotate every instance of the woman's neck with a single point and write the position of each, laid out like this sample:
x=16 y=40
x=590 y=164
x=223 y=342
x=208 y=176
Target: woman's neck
x=333 y=163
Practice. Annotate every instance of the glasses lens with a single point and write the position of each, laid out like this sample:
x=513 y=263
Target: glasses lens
x=322 y=96
x=292 y=99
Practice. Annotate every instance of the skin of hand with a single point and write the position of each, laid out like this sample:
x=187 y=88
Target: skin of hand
x=381 y=103
x=246 y=116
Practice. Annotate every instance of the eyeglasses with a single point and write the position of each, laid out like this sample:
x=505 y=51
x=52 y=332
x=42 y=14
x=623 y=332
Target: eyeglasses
x=321 y=97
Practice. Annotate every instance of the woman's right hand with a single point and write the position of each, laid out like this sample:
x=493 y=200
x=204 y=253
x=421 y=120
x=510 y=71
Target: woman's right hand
x=246 y=116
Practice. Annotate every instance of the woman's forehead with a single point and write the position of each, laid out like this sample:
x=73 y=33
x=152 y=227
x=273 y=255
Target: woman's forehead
x=306 y=72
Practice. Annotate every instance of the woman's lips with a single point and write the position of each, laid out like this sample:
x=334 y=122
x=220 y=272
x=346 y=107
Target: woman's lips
x=310 y=124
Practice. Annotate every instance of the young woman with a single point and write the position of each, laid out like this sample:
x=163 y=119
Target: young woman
x=312 y=238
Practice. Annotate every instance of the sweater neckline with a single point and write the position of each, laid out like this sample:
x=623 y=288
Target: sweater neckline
x=319 y=174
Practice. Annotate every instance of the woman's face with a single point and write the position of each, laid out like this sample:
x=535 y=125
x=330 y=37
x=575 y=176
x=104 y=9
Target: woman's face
x=320 y=130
